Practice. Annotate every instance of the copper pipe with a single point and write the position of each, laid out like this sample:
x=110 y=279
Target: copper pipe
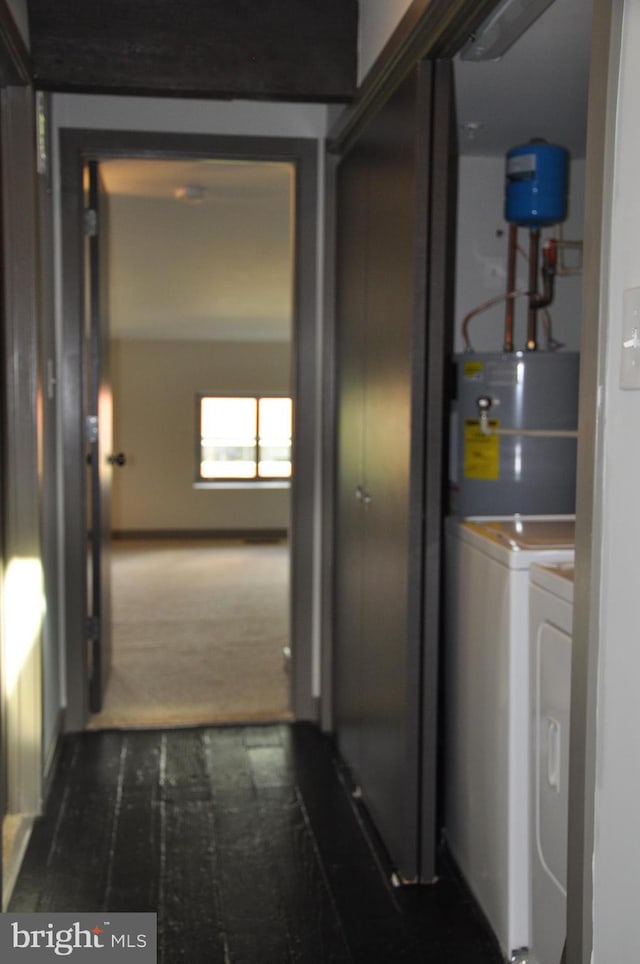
x=532 y=317
x=511 y=283
x=483 y=307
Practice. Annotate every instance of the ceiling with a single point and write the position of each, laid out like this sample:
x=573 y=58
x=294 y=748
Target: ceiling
x=220 y=267
x=537 y=89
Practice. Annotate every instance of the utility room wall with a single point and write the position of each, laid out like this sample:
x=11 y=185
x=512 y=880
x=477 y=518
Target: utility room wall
x=154 y=389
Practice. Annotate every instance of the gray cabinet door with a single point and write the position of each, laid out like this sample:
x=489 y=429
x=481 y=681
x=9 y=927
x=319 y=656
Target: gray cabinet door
x=385 y=668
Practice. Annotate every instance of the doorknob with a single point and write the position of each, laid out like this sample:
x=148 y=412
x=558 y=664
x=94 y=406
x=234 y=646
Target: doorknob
x=119 y=459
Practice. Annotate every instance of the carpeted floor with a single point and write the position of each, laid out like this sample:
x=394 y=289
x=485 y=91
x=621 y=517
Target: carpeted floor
x=199 y=630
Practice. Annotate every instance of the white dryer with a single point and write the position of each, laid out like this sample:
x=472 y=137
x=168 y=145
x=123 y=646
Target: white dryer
x=487 y=707
x=551 y=607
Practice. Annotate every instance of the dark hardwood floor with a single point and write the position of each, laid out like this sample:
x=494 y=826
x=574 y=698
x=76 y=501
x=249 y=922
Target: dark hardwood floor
x=246 y=843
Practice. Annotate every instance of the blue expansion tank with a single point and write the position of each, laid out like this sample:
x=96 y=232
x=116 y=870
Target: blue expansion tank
x=536 y=184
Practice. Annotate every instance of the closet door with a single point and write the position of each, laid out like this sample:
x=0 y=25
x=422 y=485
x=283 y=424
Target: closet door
x=350 y=491
x=391 y=314
x=389 y=779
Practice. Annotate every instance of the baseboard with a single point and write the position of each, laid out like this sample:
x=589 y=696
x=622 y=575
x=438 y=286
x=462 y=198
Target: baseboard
x=51 y=756
x=244 y=535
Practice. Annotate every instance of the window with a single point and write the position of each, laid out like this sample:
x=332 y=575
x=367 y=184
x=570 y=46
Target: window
x=244 y=439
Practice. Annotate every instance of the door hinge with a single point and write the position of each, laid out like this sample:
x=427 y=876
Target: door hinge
x=93 y=628
x=91 y=429
x=90 y=222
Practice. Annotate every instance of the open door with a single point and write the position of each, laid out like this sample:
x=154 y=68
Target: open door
x=98 y=434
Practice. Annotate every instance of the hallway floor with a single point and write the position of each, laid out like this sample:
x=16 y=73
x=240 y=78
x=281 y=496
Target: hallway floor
x=245 y=841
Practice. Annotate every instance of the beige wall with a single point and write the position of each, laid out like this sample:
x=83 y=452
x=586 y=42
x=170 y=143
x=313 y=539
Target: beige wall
x=154 y=388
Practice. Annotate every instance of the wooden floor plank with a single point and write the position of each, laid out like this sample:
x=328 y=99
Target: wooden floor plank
x=29 y=886
x=253 y=911
x=190 y=927
x=314 y=927
x=133 y=882
x=228 y=765
x=189 y=920
x=76 y=867
x=246 y=843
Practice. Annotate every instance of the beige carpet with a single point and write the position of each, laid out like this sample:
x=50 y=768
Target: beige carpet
x=199 y=630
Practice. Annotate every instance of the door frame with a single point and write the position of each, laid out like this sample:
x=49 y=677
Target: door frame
x=76 y=147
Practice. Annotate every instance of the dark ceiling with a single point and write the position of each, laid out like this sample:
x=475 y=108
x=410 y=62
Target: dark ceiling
x=276 y=49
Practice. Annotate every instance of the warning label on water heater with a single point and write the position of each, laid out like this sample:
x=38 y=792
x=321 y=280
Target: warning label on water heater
x=481 y=452
x=472 y=371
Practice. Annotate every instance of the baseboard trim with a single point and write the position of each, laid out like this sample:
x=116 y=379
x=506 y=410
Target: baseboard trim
x=51 y=757
x=244 y=535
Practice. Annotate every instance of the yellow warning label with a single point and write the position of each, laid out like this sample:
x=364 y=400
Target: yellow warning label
x=472 y=371
x=481 y=452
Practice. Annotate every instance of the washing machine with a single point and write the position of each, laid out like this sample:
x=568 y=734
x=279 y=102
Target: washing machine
x=487 y=707
x=551 y=614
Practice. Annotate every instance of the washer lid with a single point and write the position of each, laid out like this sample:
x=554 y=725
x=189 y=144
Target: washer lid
x=530 y=533
x=516 y=541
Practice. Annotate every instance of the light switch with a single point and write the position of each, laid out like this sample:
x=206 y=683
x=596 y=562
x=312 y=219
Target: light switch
x=630 y=364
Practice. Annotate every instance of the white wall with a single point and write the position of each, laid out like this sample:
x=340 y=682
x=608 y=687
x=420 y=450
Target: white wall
x=253 y=118
x=482 y=259
x=616 y=862
x=377 y=19
x=154 y=389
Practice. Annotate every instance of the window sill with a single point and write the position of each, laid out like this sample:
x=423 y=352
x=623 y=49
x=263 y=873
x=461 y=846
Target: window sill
x=240 y=484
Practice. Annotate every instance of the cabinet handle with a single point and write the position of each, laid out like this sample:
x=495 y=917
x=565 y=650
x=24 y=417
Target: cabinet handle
x=359 y=493
x=366 y=499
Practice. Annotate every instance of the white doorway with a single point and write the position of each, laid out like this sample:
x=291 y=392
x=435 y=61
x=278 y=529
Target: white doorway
x=200 y=305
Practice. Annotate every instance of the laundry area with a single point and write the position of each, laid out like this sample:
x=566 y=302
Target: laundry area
x=509 y=541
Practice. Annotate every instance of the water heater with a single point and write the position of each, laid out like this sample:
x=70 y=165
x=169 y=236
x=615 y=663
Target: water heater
x=529 y=469
x=536 y=184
